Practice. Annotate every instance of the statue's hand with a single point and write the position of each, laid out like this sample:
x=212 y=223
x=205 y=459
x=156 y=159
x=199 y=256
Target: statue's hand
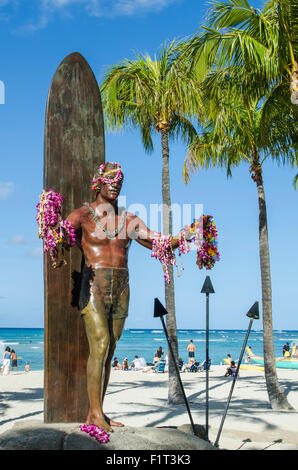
x=188 y=234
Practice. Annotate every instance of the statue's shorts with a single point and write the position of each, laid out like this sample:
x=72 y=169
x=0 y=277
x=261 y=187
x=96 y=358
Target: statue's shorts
x=105 y=291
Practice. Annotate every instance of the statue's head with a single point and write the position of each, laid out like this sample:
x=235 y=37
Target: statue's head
x=108 y=179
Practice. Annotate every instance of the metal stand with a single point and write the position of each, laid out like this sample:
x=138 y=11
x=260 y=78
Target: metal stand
x=207 y=289
x=160 y=311
x=253 y=313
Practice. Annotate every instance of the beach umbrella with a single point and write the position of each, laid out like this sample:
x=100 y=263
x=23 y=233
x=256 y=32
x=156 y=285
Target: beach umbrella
x=207 y=289
x=160 y=311
x=253 y=314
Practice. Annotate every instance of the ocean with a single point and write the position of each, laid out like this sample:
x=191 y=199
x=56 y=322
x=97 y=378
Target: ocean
x=29 y=343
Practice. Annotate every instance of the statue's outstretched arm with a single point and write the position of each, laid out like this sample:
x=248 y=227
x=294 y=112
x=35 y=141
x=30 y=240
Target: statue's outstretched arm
x=144 y=236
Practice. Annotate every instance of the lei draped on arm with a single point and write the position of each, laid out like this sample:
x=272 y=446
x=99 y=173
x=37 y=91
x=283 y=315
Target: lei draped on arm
x=57 y=234
x=202 y=233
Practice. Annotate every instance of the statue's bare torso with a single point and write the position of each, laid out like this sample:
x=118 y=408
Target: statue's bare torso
x=98 y=249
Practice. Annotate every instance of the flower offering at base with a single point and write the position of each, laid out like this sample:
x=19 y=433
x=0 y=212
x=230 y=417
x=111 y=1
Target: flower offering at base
x=57 y=234
x=98 y=433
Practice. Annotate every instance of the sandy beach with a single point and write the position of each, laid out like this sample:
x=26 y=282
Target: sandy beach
x=140 y=399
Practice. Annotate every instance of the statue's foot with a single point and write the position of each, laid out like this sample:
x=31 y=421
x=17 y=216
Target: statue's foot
x=113 y=423
x=98 y=420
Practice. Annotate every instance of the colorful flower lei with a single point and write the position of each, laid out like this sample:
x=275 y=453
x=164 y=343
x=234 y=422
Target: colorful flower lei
x=101 y=179
x=207 y=253
x=98 y=433
x=56 y=233
x=203 y=235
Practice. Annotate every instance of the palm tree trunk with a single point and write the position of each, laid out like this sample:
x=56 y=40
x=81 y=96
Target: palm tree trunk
x=174 y=392
x=277 y=397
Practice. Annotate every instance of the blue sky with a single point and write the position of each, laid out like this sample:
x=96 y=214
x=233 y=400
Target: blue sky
x=35 y=36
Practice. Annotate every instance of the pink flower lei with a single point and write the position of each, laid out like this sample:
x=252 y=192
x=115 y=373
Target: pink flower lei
x=101 y=179
x=202 y=233
x=98 y=433
x=56 y=233
x=162 y=250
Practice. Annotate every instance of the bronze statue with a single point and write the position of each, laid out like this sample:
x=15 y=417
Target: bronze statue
x=107 y=232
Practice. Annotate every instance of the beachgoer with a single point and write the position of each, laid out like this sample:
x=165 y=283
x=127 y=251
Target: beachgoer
x=180 y=363
x=116 y=364
x=294 y=350
x=27 y=367
x=6 y=361
x=191 y=349
x=248 y=358
x=14 y=361
x=104 y=234
x=285 y=348
x=167 y=359
x=125 y=365
x=156 y=359
x=231 y=371
x=159 y=352
x=138 y=363
x=186 y=367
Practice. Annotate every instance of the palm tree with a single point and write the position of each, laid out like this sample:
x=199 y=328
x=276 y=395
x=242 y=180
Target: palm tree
x=240 y=131
x=155 y=95
x=250 y=59
x=260 y=46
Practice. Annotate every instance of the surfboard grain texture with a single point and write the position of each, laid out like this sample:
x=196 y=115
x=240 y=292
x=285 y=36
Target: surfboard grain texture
x=73 y=147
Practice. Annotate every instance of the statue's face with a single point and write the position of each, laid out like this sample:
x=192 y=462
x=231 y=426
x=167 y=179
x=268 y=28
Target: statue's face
x=111 y=191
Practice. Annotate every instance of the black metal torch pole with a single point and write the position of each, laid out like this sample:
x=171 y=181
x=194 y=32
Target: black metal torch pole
x=207 y=289
x=159 y=311
x=253 y=313
x=207 y=366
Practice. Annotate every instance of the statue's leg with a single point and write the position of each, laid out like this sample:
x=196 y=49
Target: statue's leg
x=117 y=329
x=115 y=334
x=117 y=319
x=97 y=330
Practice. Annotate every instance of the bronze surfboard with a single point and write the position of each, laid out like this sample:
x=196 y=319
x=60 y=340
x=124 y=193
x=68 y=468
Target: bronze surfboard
x=74 y=146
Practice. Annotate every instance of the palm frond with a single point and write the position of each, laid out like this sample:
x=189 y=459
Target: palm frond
x=148 y=90
x=231 y=13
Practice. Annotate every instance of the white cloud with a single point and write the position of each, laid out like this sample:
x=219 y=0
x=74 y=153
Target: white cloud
x=130 y=7
x=17 y=240
x=125 y=7
x=6 y=189
x=60 y=4
x=97 y=8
